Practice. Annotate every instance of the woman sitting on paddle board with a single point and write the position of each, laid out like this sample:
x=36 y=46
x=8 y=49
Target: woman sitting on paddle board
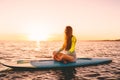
x=69 y=54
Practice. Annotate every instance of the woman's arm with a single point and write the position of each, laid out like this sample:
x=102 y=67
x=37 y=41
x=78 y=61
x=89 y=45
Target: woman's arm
x=58 y=51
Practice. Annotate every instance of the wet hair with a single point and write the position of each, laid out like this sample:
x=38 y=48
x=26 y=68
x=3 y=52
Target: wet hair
x=68 y=37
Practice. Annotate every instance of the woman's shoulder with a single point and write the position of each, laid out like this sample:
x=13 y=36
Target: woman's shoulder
x=73 y=38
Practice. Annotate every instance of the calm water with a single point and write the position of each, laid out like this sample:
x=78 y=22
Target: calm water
x=10 y=51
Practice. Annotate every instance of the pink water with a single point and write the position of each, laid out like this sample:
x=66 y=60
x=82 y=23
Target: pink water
x=10 y=51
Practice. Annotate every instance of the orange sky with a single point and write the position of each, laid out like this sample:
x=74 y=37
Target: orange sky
x=42 y=19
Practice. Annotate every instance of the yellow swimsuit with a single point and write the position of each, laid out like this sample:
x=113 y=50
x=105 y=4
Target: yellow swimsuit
x=72 y=49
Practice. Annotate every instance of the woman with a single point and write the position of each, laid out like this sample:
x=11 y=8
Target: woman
x=68 y=47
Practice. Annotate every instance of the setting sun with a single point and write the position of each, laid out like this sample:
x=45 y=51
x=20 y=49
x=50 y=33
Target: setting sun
x=37 y=33
x=38 y=37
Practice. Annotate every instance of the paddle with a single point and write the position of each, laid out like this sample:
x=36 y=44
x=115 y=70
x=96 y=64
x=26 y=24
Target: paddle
x=23 y=61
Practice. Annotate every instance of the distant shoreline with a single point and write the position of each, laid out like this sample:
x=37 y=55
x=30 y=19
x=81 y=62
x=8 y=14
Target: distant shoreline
x=117 y=40
x=100 y=40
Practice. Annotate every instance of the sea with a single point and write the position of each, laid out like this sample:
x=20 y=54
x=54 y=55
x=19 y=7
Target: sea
x=11 y=51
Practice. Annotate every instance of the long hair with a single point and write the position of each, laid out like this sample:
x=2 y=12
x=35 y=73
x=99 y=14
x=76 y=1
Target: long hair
x=68 y=37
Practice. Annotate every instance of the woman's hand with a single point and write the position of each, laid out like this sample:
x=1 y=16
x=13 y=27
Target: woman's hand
x=57 y=56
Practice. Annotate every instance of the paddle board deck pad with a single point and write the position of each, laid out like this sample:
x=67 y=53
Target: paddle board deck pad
x=51 y=64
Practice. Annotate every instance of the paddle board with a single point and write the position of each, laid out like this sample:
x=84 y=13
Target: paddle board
x=49 y=64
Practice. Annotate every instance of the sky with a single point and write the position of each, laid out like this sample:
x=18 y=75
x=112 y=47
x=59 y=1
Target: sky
x=43 y=19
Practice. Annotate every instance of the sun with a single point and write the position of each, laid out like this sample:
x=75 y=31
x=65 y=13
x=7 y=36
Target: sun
x=37 y=33
x=38 y=37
